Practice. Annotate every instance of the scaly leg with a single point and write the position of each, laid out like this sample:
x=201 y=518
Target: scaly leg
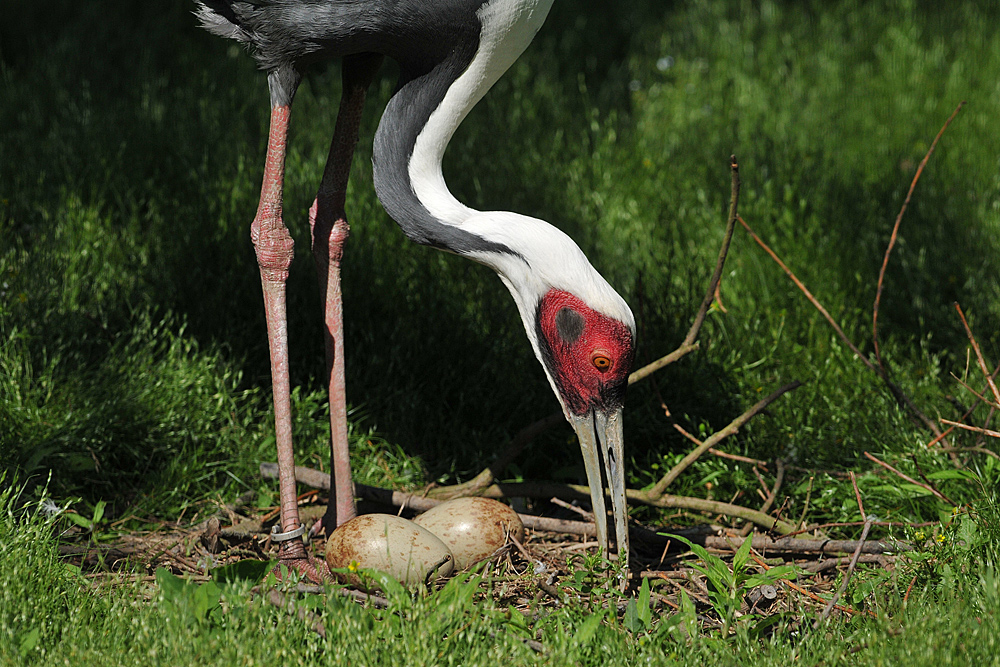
x=274 y=247
x=328 y=222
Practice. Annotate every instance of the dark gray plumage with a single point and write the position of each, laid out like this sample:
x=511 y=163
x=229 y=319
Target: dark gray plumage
x=433 y=42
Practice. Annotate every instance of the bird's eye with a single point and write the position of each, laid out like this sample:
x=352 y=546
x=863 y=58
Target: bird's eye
x=601 y=362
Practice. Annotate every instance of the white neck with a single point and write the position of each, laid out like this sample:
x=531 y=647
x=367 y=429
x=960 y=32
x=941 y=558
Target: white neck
x=508 y=26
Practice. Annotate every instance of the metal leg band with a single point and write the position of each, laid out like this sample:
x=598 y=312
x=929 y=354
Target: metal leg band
x=277 y=536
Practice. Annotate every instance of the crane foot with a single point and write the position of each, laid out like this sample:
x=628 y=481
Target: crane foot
x=294 y=556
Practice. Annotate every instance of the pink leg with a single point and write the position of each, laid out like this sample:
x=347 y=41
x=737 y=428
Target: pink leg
x=330 y=230
x=274 y=248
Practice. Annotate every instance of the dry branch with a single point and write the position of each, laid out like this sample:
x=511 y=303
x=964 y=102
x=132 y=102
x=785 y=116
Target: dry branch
x=713 y=285
x=772 y=494
x=815 y=567
x=975 y=393
x=895 y=233
x=847 y=577
x=909 y=479
x=977 y=450
x=731 y=429
x=976 y=429
x=849 y=524
x=689 y=344
x=764 y=544
x=964 y=416
x=979 y=354
x=541 y=490
x=901 y=398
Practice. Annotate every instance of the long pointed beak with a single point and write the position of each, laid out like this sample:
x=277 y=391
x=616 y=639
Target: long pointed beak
x=602 y=432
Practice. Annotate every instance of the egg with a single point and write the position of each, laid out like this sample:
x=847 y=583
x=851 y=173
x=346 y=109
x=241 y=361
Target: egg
x=386 y=543
x=472 y=528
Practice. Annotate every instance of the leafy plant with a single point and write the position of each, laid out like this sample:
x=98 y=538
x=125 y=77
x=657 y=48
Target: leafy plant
x=638 y=615
x=195 y=603
x=88 y=524
x=728 y=584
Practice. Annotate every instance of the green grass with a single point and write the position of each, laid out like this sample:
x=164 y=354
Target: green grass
x=50 y=614
x=133 y=361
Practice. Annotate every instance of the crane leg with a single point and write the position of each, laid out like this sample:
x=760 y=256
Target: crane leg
x=328 y=222
x=274 y=248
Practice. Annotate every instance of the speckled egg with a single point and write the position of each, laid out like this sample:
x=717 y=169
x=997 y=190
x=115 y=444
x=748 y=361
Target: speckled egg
x=472 y=528
x=409 y=553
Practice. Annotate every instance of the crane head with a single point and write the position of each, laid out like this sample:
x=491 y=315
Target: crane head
x=588 y=353
x=588 y=356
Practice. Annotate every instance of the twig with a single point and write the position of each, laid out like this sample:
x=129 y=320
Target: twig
x=895 y=232
x=572 y=508
x=967 y=427
x=778 y=479
x=909 y=479
x=847 y=577
x=975 y=393
x=564 y=526
x=680 y=429
x=762 y=491
x=689 y=344
x=737 y=457
x=520 y=547
x=910 y=588
x=848 y=524
x=732 y=428
x=542 y=490
x=734 y=200
x=818 y=566
x=667 y=501
x=809 y=295
x=277 y=510
x=857 y=494
x=895 y=389
x=920 y=471
x=805 y=506
x=764 y=544
x=771 y=495
x=679 y=573
x=964 y=417
x=663 y=361
x=718 y=300
x=979 y=354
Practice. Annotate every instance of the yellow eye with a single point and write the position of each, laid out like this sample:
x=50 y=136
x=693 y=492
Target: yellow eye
x=601 y=362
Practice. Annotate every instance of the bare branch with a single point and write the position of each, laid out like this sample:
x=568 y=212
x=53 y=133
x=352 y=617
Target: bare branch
x=734 y=199
x=909 y=479
x=976 y=429
x=847 y=577
x=979 y=354
x=896 y=391
x=895 y=232
x=545 y=490
x=732 y=428
x=976 y=393
x=689 y=345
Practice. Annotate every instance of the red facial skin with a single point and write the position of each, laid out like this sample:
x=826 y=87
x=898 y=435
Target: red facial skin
x=589 y=354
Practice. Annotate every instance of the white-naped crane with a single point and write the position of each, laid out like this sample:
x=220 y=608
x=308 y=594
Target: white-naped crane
x=450 y=52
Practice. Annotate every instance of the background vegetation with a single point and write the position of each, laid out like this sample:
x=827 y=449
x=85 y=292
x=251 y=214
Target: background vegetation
x=133 y=361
